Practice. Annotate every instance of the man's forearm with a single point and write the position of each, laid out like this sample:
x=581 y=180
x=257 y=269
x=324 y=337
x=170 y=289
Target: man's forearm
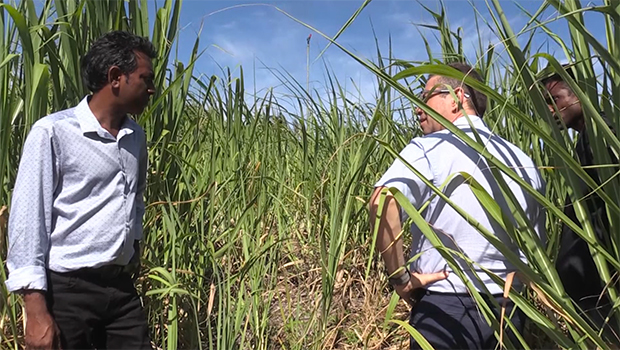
x=389 y=240
x=34 y=301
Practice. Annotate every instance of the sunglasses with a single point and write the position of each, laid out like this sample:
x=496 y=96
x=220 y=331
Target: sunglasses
x=426 y=95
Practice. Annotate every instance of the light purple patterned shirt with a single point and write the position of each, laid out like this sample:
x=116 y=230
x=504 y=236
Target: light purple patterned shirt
x=78 y=197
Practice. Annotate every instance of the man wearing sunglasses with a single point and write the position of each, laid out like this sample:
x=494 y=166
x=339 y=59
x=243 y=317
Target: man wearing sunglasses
x=443 y=310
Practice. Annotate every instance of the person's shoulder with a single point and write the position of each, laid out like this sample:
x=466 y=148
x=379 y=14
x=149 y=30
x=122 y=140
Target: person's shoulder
x=427 y=146
x=54 y=120
x=431 y=140
x=514 y=147
x=523 y=161
x=438 y=141
x=133 y=125
x=515 y=151
x=417 y=145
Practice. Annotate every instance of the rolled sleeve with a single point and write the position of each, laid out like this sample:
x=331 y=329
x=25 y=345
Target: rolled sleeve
x=406 y=181
x=30 y=216
x=29 y=277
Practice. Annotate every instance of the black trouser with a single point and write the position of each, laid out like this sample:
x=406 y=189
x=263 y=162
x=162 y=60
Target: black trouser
x=452 y=321
x=583 y=283
x=97 y=309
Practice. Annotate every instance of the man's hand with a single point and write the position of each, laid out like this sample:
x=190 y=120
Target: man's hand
x=42 y=333
x=418 y=280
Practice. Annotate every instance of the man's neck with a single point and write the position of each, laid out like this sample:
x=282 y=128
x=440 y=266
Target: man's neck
x=580 y=125
x=107 y=115
x=460 y=115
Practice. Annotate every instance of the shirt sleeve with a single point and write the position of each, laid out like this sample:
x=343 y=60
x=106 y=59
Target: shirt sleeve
x=405 y=180
x=30 y=216
x=140 y=207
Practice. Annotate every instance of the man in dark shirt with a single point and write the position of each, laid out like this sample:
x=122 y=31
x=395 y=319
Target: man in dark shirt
x=574 y=263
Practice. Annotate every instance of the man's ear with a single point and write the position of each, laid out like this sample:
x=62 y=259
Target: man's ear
x=114 y=76
x=460 y=93
x=456 y=102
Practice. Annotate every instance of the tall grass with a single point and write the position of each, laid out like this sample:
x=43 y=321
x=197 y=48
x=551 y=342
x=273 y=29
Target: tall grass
x=256 y=228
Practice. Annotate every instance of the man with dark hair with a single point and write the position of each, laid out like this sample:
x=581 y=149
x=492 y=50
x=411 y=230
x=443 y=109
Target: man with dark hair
x=569 y=107
x=76 y=212
x=574 y=263
x=443 y=310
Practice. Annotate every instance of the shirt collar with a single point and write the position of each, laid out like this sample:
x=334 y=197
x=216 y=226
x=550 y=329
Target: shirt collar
x=89 y=123
x=463 y=121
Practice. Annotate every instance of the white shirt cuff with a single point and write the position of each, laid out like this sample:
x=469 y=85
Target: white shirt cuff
x=29 y=277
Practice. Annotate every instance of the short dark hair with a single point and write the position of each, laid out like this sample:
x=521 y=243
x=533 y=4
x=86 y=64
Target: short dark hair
x=117 y=48
x=477 y=99
x=556 y=77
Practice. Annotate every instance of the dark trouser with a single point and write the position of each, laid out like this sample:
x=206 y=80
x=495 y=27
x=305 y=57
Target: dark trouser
x=97 y=309
x=583 y=284
x=595 y=307
x=452 y=321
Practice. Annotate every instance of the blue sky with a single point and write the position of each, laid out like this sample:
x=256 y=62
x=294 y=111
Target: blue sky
x=261 y=39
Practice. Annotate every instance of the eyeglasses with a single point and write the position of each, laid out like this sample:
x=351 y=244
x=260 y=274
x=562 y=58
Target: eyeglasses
x=426 y=95
x=550 y=100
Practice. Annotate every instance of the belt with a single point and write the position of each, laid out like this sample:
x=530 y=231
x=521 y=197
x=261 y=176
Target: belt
x=421 y=292
x=106 y=272
x=453 y=294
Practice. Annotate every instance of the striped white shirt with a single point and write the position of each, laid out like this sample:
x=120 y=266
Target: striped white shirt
x=78 y=197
